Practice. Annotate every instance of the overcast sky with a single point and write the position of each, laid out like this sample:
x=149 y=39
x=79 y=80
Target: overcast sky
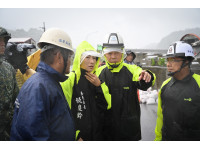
x=138 y=27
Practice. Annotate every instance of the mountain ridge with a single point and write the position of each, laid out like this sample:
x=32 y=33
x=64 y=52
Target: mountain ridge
x=162 y=44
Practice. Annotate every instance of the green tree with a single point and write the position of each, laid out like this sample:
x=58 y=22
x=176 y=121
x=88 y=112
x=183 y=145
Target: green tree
x=153 y=62
x=161 y=62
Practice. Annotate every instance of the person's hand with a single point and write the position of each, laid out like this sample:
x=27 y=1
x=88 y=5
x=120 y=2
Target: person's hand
x=30 y=72
x=80 y=139
x=145 y=76
x=93 y=79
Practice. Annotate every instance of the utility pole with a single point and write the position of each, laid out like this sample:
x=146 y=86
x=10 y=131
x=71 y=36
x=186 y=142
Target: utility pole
x=43 y=26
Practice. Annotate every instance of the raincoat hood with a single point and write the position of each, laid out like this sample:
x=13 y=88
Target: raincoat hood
x=83 y=47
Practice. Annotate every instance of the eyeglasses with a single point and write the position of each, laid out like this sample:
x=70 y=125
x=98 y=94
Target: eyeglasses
x=170 y=60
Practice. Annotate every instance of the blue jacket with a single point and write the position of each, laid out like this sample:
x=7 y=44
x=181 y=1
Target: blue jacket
x=41 y=110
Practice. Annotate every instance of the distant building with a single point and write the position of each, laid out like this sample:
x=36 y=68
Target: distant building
x=22 y=40
x=28 y=40
x=149 y=57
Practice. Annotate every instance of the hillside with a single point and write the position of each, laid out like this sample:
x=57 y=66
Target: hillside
x=163 y=44
x=175 y=36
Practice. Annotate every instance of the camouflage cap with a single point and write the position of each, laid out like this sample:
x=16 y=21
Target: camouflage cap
x=4 y=33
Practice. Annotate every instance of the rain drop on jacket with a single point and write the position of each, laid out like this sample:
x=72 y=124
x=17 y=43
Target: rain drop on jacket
x=41 y=110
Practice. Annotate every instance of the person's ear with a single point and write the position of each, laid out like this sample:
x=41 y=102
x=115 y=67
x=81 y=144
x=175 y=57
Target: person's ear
x=59 y=57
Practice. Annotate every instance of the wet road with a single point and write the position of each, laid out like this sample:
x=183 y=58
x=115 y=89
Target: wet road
x=148 y=121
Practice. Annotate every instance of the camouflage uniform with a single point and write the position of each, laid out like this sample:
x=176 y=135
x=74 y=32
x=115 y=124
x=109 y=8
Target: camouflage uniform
x=8 y=93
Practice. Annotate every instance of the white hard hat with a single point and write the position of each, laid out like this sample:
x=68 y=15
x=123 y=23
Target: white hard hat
x=113 y=42
x=56 y=37
x=180 y=49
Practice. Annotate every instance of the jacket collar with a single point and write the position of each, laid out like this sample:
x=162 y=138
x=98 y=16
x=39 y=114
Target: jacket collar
x=83 y=72
x=188 y=77
x=117 y=69
x=43 y=67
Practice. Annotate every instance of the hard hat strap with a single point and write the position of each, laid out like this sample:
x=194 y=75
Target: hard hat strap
x=182 y=66
x=65 y=59
x=114 y=65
